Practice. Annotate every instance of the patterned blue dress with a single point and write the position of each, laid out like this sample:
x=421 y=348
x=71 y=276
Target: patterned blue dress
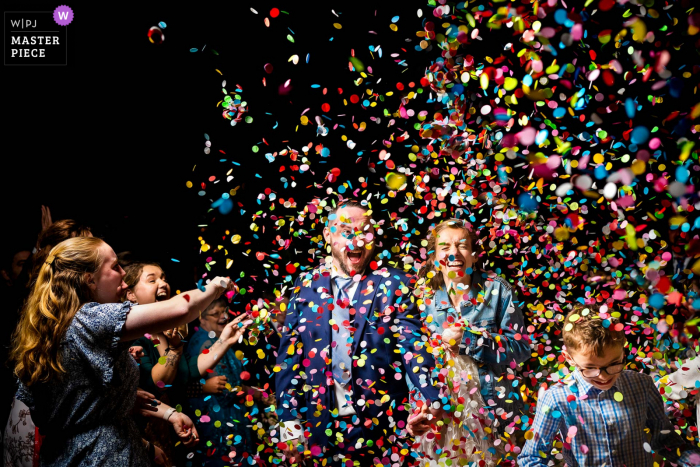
x=86 y=414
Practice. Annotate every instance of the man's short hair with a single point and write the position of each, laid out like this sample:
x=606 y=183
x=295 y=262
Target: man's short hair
x=348 y=203
x=586 y=331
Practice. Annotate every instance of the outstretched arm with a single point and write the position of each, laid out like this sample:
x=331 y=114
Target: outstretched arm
x=181 y=309
x=229 y=336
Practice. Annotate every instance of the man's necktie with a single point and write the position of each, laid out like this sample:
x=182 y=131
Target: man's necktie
x=342 y=336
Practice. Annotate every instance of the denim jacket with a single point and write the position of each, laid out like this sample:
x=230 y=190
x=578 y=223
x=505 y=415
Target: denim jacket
x=491 y=307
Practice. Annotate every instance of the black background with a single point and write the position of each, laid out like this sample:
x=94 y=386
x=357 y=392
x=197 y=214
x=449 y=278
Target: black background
x=112 y=138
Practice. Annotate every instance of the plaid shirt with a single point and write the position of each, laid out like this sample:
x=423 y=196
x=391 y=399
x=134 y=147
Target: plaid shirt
x=603 y=428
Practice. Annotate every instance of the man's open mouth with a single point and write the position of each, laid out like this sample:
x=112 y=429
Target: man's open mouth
x=455 y=264
x=354 y=256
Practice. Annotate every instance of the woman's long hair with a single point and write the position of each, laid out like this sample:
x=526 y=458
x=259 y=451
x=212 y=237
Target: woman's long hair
x=60 y=290
x=435 y=281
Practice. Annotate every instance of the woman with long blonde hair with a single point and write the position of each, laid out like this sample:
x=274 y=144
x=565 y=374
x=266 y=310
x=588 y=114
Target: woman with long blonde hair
x=72 y=359
x=21 y=441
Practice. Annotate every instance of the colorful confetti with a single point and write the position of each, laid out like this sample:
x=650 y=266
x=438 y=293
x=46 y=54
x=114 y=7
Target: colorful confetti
x=565 y=134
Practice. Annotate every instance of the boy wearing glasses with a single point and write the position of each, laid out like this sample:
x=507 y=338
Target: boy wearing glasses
x=601 y=410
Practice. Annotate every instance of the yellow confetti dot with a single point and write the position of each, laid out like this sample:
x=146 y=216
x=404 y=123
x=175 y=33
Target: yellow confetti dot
x=618 y=396
x=337 y=25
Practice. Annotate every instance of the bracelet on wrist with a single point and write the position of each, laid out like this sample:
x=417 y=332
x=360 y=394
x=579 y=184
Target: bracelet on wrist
x=168 y=413
x=168 y=349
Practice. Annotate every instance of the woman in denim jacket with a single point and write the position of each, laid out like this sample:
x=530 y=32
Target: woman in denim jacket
x=485 y=321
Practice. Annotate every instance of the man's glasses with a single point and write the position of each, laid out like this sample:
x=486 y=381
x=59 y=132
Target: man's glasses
x=611 y=370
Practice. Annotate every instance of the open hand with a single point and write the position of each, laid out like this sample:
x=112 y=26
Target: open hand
x=235 y=329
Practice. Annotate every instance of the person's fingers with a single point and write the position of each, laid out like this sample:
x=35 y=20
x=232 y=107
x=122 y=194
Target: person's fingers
x=146 y=394
x=223 y=378
x=238 y=319
x=420 y=423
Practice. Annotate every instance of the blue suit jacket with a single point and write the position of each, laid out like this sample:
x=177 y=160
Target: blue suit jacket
x=384 y=355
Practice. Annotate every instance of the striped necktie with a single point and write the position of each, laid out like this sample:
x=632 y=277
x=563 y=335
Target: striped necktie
x=342 y=328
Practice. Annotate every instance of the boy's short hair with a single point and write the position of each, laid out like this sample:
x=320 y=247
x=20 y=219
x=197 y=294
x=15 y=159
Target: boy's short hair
x=585 y=330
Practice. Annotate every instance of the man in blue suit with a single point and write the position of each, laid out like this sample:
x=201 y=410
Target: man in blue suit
x=351 y=338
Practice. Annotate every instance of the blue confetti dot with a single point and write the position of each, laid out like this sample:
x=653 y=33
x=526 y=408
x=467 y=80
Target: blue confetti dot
x=630 y=107
x=640 y=135
x=657 y=301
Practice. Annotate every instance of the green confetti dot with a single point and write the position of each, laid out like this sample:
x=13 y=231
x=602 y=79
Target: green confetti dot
x=162 y=360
